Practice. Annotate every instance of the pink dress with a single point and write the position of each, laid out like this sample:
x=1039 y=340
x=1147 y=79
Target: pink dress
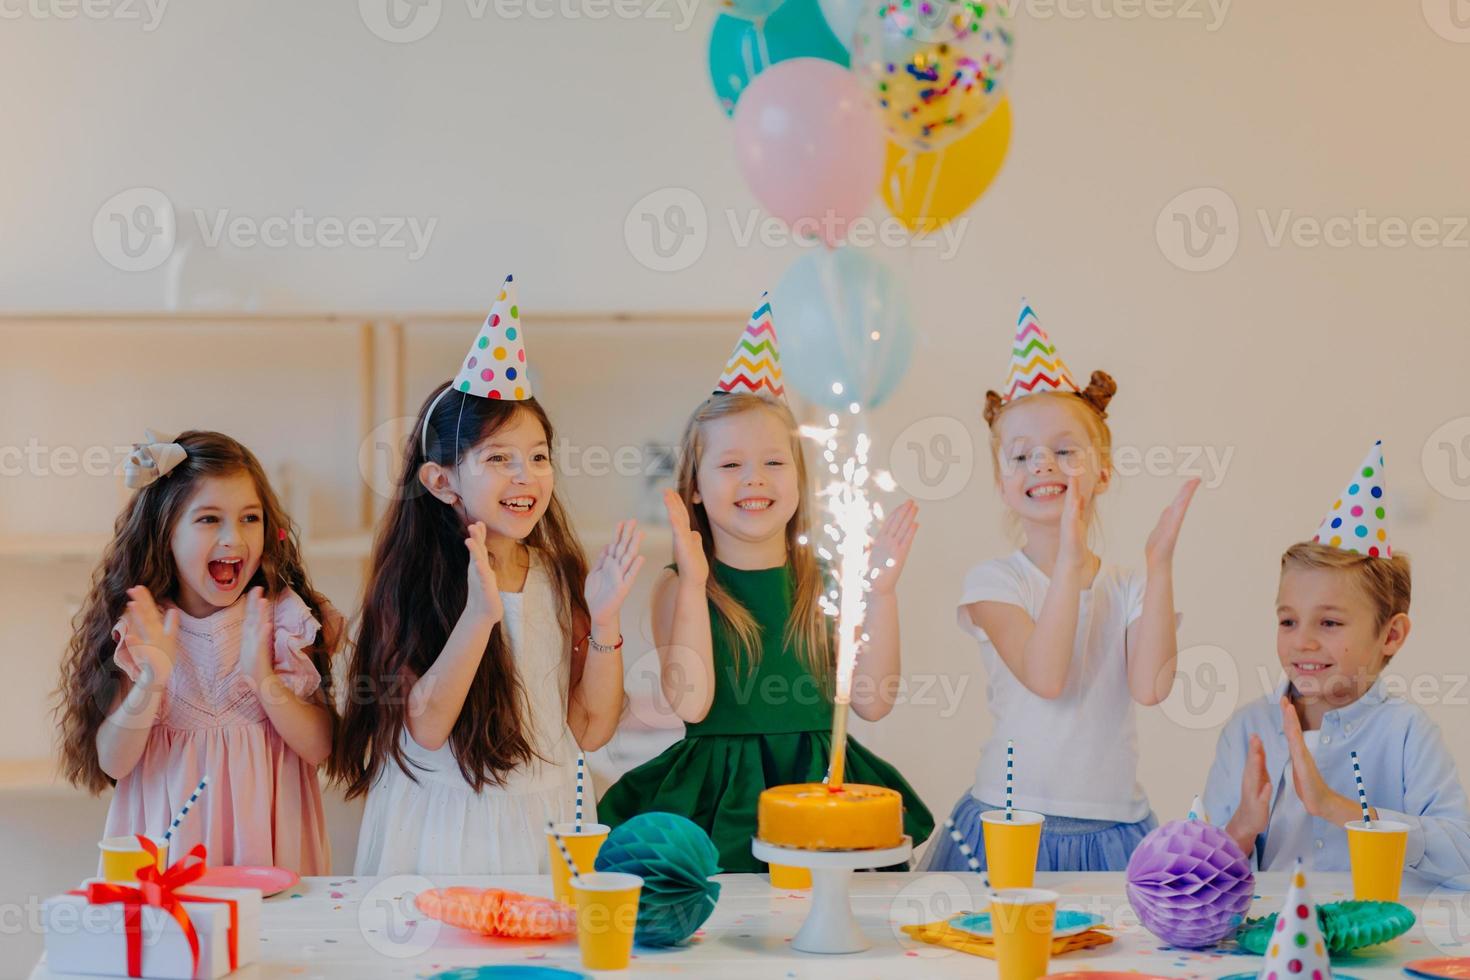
x=263 y=805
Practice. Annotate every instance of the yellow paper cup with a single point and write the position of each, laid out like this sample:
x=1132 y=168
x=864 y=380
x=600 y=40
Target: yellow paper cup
x=1011 y=847
x=584 y=846
x=785 y=876
x=1022 y=920
x=1376 y=851
x=607 y=911
x=123 y=858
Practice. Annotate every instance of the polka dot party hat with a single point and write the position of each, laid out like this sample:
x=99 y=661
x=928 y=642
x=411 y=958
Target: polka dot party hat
x=495 y=367
x=754 y=366
x=1035 y=364
x=1296 y=951
x=1357 y=521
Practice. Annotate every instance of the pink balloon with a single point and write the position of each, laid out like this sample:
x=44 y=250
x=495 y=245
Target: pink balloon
x=810 y=146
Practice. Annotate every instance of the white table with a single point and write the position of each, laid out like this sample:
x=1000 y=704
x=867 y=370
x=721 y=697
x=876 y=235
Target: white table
x=355 y=928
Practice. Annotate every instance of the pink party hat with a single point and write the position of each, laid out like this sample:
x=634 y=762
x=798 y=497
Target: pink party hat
x=1358 y=521
x=495 y=367
x=1035 y=364
x=754 y=366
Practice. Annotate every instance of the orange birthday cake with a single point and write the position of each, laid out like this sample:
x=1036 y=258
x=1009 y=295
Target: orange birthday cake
x=818 y=817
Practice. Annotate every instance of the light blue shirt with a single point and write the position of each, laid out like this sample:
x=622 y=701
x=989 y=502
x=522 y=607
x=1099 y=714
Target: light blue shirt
x=1407 y=771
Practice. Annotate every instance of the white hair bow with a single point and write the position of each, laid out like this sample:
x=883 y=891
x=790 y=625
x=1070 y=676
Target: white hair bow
x=151 y=460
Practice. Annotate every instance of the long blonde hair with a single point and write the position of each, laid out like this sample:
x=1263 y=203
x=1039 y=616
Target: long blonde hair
x=807 y=629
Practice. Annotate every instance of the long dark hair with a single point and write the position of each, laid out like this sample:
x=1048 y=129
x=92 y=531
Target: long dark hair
x=415 y=594
x=140 y=553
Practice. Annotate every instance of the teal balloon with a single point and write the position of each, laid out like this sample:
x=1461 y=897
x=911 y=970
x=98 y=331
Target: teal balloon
x=843 y=317
x=675 y=858
x=796 y=30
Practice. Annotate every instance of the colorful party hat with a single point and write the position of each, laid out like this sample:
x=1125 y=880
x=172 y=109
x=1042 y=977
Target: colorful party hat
x=1197 y=810
x=495 y=367
x=1358 y=522
x=1296 y=951
x=755 y=364
x=1035 y=364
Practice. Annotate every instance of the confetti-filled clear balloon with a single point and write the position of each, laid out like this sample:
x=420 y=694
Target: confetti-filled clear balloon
x=934 y=68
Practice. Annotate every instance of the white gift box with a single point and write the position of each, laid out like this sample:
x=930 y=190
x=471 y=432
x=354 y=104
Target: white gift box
x=92 y=939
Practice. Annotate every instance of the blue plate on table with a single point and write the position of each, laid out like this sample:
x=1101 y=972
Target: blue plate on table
x=1068 y=923
x=511 y=972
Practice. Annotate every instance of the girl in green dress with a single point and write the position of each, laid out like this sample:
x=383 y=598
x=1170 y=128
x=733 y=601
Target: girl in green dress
x=746 y=654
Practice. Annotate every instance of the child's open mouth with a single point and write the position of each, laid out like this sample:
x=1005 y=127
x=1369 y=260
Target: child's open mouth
x=519 y=505
x=225 y=572
x=1047 y=490
x=754 y=503
x=1311 y=666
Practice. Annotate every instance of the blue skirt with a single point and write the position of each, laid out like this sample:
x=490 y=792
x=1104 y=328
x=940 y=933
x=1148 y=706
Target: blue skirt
x=1067 y=843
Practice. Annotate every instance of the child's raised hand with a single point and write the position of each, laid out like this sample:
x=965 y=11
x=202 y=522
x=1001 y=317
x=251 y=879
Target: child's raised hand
x=890 y=548
x=256 y=636
x=484 y=589
x=1072 y=548
x=1254 y=813
x=153 y=637
x=1159 y=549
x=689 y=554
x=1318 y=799
x=612 y=574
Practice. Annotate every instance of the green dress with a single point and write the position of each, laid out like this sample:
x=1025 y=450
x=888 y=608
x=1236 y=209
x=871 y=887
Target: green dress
x=767 y=726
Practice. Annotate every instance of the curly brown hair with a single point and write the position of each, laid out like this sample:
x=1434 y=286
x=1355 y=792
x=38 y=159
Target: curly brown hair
x=416 y=592
x=140 y=553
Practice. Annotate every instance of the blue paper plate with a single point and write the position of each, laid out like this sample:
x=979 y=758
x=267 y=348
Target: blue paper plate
x=513 y=972
x=1069 y=923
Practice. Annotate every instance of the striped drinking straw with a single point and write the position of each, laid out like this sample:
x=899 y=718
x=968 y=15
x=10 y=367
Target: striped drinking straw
x=1010 y=779
x=581 y=778
x=970 y=859
x=168 y=834
x=1362 y=793
x=561 y=845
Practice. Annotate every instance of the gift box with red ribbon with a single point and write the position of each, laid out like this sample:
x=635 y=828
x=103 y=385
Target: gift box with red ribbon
x=162 y=926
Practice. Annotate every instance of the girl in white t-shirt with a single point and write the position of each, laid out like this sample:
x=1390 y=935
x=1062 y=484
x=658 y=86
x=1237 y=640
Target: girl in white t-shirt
x=1069 y=643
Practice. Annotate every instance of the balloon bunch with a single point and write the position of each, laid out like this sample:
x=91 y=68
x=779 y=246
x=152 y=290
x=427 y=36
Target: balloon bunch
x=834 y=101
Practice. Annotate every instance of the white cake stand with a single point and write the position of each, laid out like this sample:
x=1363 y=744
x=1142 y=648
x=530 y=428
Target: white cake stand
x=830 y=926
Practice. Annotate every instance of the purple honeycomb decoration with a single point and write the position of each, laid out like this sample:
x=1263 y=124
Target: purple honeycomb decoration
x=1189 y=883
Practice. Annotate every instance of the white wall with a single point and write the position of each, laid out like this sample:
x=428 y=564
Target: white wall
x=529 y=140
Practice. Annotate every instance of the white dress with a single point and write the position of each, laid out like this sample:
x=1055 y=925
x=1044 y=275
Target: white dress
x=439 y=825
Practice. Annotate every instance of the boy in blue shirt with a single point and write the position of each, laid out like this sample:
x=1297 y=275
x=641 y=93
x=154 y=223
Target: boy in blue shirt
x=1283 y=776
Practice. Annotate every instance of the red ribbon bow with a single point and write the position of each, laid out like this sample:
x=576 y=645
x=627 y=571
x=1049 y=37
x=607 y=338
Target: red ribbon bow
x=155 y=888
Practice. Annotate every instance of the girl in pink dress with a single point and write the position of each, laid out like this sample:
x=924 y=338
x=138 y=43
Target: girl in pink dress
x=201 y=650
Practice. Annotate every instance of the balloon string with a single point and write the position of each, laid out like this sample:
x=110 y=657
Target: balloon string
x=760 y=40
x=925 y=221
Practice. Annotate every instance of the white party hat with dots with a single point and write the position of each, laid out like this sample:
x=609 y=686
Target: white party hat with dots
x=1358 y=521
x=495 y=367
x=1296 y=951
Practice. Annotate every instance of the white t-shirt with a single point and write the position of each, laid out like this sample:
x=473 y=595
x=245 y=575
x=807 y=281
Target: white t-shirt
x=1076 y=755
x=1289 y=833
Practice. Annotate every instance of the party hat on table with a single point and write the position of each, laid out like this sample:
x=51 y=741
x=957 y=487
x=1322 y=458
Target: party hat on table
x=1197 y=810
x=1035 y=364
x=495 y=367
x=754 y=366
x=1358 y=522
x=1296 y=951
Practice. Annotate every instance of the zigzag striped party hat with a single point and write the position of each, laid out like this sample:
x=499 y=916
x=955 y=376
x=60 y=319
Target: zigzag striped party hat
x=754 y=366
x=1035 y=364
x=1358 y=521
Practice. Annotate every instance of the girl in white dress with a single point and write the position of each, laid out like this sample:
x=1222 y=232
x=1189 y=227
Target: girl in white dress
x=488 y=653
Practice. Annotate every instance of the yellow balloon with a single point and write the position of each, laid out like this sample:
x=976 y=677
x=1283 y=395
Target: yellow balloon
x=926 y=191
